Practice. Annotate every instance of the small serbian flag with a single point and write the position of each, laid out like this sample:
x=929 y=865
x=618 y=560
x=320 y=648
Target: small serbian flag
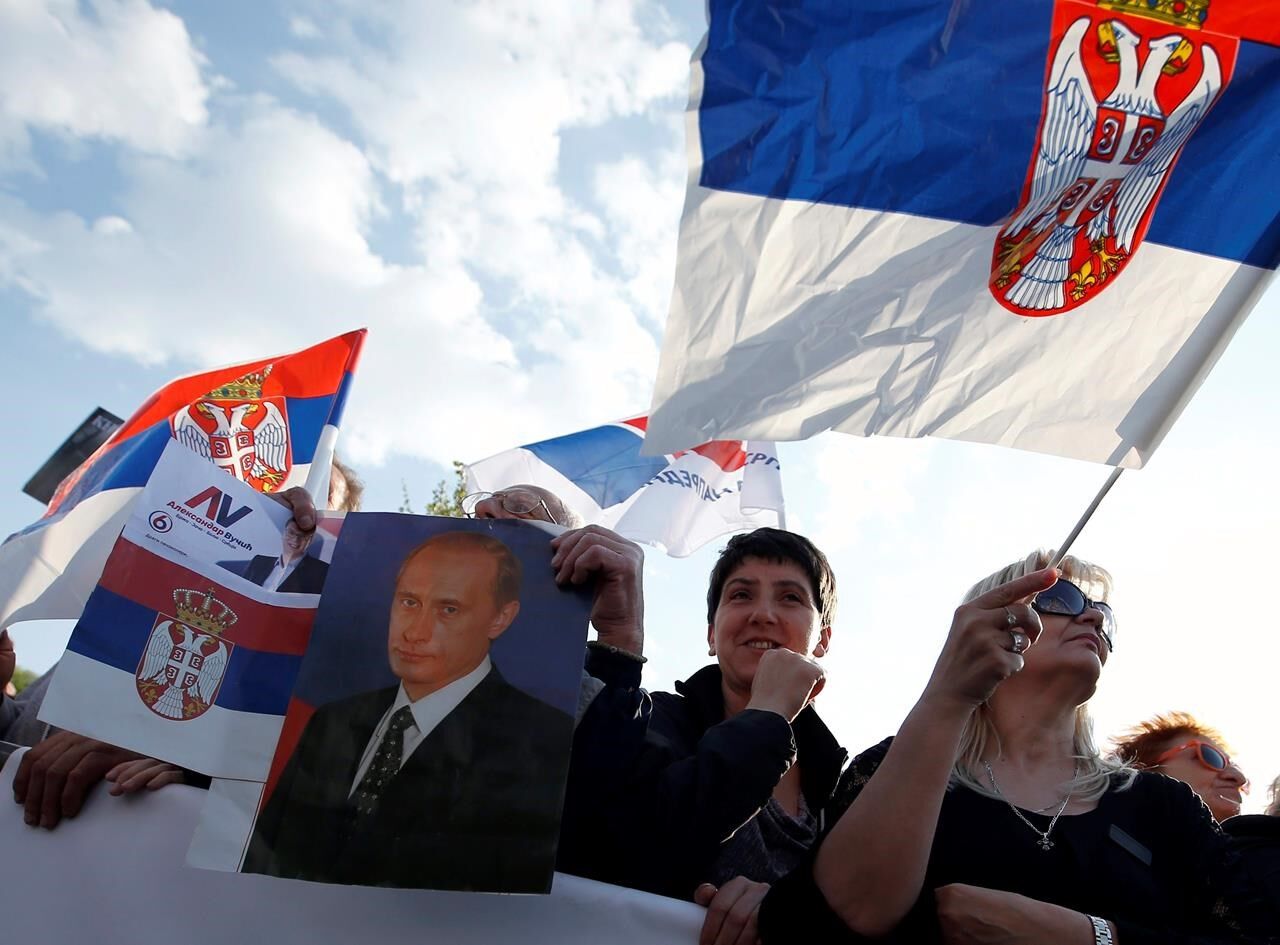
x=180 y=654
x=677 y=503
x=1034 y=224
x=262 y=422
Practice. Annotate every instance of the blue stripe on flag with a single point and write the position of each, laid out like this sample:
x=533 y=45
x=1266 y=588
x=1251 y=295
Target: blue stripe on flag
x=114 y=630
x=913 y=107
x=604 y=462
x=307 y=417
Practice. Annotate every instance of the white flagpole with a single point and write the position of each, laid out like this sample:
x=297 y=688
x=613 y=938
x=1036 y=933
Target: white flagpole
x=317 y=483
x=1088 y=514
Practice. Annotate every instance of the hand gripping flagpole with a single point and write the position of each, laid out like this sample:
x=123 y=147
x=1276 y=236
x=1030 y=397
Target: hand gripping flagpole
x=1088 y=514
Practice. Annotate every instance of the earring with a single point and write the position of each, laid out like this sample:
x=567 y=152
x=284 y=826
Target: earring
x=711 y=651
x=820 y=650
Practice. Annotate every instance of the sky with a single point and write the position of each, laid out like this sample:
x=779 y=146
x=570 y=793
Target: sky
x=494 y=190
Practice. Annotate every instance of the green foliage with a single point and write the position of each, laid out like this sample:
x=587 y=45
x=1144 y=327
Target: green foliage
x=22 y=678
x=446 y=499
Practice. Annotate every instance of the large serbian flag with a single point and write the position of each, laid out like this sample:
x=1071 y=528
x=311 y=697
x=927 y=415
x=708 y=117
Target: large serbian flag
x=178 y=654
x=263 y=422
x=677 y=503
x=1034 y=223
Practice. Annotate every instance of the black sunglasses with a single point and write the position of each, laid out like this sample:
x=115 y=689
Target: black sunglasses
x=1067 y=600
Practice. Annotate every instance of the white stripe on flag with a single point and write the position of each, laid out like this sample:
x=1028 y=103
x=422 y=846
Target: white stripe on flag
x=50 y=573
x=903 y=338
x=100 y=701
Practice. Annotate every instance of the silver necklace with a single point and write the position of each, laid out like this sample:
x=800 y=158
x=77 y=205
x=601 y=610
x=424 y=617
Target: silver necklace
x=1044 y=843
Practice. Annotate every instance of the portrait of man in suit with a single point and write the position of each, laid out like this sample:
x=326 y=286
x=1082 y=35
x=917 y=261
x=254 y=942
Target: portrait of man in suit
x=293 y=571
x=450 y=779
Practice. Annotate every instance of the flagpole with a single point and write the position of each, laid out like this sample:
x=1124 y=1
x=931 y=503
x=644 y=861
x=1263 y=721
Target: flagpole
x=1088 y=514
x=317 y=484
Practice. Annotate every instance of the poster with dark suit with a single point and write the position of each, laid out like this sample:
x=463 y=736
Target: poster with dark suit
x=299 y=568
x=428 y=740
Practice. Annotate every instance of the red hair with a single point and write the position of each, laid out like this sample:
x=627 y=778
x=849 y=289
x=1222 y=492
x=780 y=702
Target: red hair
x=1142 y=744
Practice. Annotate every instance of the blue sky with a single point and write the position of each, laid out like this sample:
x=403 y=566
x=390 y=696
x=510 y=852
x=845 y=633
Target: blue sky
x=494 y=190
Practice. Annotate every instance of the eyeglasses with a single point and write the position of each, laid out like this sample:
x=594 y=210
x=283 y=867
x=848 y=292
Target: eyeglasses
x=519 y=502
x=1209 y=756
x=1067 y=600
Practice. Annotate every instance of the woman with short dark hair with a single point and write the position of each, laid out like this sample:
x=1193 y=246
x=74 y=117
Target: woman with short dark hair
x=727 y=778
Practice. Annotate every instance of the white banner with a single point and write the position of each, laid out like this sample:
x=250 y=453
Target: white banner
x=69 y=885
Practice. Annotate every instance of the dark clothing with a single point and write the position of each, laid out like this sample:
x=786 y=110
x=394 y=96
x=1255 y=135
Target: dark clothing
x=307 y=578
x=682 y=779
x=1256 y=838
x=768 y=846
x=476 y=806
x=1149 y=858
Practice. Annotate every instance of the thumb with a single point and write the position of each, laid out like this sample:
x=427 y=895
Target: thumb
x=704 y=894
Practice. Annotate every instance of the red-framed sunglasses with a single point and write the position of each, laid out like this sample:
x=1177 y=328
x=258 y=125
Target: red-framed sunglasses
x=1209 y=756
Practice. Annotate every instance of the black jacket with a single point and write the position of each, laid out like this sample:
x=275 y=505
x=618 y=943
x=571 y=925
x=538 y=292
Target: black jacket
x=677 y=779
x=1149 y=857
x=1256 y=838
x=307 y=578
x=476 y=806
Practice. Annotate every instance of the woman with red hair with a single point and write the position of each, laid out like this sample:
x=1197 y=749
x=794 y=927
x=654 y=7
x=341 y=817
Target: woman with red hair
x=1179 y=745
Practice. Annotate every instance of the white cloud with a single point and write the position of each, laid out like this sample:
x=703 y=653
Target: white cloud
x=119 y=70
x=523 y=310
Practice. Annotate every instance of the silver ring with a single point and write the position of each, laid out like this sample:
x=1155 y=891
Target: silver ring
x=1019 y=641
x=1009 y=618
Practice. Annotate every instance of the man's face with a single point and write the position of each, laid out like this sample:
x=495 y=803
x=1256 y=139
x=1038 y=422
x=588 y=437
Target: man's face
x=296 y=540
x=443 y=618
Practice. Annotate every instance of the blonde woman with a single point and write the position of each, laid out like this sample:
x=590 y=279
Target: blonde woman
x=992 y=818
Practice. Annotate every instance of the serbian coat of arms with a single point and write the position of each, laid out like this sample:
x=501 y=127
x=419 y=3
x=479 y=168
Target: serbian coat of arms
x=185 y=657
x=235 y=427
x=1128 y=82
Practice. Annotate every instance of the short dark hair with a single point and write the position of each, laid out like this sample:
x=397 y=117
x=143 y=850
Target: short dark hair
x=355 y=488
x=506 y=583
x=779 y=546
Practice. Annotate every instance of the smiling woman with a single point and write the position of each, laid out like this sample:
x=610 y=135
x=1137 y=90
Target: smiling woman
x=734 y=769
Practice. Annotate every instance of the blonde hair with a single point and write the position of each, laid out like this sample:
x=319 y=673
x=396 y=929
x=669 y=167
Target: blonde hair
x=980 y=734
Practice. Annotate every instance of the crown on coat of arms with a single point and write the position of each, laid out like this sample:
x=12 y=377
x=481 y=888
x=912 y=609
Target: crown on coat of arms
x=1188 y=13
x=202 y=610
x=248 y=387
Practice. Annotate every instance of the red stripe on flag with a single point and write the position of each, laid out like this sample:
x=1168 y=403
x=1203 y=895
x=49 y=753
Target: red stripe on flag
x=313 y=372
x=147 y=579
x=295 y=720
x=727 y=454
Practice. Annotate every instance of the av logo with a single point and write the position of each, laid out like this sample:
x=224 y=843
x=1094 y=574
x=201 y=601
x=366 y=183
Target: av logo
x=219 y=506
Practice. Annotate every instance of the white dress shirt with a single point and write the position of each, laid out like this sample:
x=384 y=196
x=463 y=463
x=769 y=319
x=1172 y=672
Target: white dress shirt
x=280 y=572
x=428 y=712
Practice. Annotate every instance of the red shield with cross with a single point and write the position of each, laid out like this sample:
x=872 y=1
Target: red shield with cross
x=1126 y=86
x=181 y=669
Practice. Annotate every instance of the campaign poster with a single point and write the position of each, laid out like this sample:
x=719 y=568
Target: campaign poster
x=427 y=742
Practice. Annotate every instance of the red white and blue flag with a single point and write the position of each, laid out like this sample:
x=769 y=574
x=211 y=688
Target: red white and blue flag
x=264 y=422
x=1035 y=224
x=178 y=654
x=678 y=502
